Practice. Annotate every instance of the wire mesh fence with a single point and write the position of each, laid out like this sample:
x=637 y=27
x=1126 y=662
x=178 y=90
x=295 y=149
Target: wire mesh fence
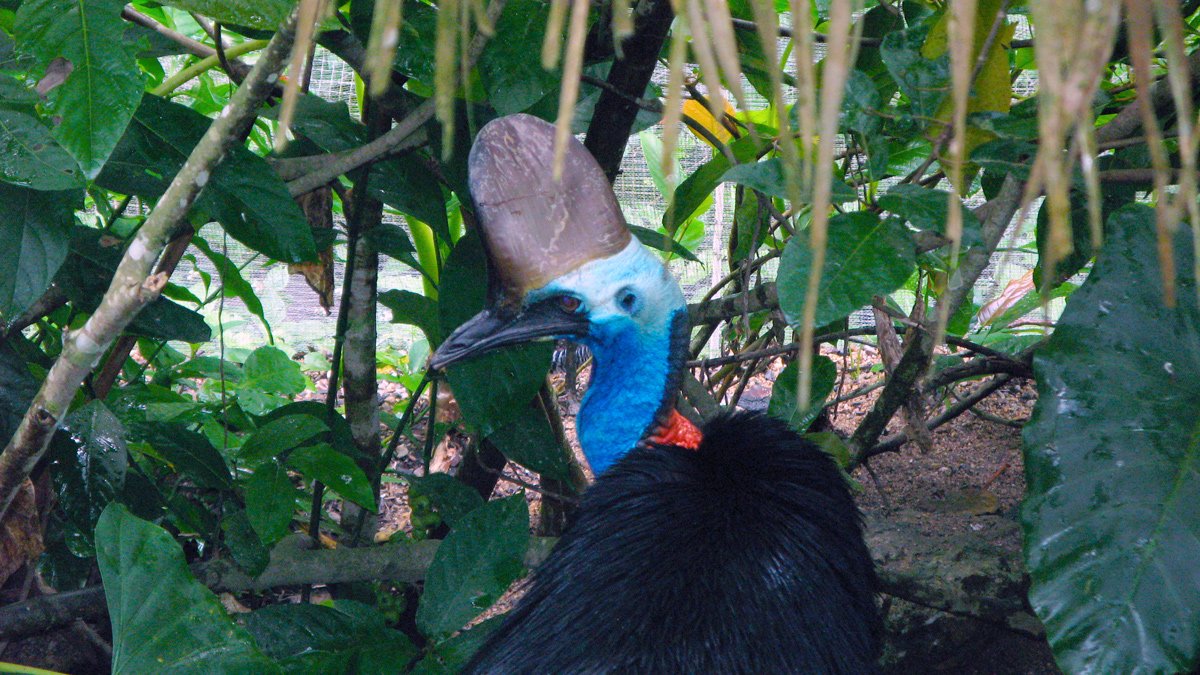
x=299 y=322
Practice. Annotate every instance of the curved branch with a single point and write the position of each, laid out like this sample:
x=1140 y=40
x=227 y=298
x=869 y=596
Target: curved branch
x=133 y=286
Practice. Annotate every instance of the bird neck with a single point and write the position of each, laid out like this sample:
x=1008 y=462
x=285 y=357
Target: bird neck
x=631 y=397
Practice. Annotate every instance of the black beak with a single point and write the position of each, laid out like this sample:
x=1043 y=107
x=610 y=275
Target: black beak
x=489 y=330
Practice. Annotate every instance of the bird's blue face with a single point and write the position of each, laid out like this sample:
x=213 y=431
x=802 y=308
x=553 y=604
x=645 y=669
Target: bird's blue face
x=629 y=311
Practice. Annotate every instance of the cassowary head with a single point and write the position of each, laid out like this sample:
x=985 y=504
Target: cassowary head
x=566 y=266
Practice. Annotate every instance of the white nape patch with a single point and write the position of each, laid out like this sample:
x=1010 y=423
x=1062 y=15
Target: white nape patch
x=137 y=250
x=202 y=179
x=86 y=344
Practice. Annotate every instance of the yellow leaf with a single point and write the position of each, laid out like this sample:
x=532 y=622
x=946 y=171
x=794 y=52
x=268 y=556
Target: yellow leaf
x=698 y=112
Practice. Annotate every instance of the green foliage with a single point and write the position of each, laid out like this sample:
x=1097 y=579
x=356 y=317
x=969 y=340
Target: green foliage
x=347 y=637
x=785 y=403
x=39 y=223
x=866 y=256
x=1111 y=518
x=163 y=618
x=81 y=44
x=205 y=440
x=473 y=567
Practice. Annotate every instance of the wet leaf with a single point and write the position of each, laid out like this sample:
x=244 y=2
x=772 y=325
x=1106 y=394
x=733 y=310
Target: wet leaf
x=1112 y=511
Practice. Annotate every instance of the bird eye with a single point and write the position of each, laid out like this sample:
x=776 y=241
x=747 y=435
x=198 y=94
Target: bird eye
x=569 y=303
x=628 y=301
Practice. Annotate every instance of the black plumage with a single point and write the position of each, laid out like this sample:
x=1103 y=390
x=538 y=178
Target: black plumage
x=744 y=556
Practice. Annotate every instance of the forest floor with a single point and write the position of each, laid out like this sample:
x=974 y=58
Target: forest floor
x=969 y=483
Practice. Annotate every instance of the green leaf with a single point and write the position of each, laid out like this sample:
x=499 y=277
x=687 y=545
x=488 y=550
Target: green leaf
x=529 y=441
x=36 y=227
x=262 y=14
x=103 y=83
x=244 y=193
x=347 y=637
x=163 y=620
x=29 y=155
x=191 y=454
x=270 y=370
x=280 y=435
x=784 y=403
x=90 y=457
x=496 y=387
x=270 y=502
x=18 y=390
x=768 y=177
x=1112 y=454
x=509 y=68
x=662 y=242
x=864 y=257
x=924 y=81
x=452 y=655
x=699 y=186
x=337 y=471
x=927 y=208
x=451 y=498
x=413 y=309
x=233 y=282
x=474 y=566
x=403 y=183
x=86 y=275
x=243 y=542
x=861 y=105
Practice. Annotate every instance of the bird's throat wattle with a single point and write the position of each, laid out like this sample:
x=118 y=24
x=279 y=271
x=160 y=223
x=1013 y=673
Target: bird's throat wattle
x=678 y=431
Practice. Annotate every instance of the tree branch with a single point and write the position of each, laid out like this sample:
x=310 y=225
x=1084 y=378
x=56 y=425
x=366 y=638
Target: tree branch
x=132 y=285
x=612 y=120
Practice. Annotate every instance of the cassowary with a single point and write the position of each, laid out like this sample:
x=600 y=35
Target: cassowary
x=731 y=548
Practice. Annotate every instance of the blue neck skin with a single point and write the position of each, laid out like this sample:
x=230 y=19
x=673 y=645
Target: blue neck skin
x=632 y=380
x=637 y=333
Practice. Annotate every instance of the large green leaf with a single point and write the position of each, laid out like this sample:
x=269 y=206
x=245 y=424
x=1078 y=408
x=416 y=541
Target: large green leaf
x=413 y=309
x=191 y=454
x=18 y=390
x=348 y=637
x=475 y=564
x=163 y=620
x=529 y=441
x=926 y=209
x=337 y=471
x=924 y=81
x=1112 y=460
x=29 y=155
x=87 y=273
x=90 y=458
x=452 y=655
x=785 y=403
x=451 y=498
x=270 y=502
x=496 y=387
x=509 y=68
x=36 y=229
x=699 y=186
x=768 y=177
x=865 y=256
x=244 y=193
x=662 y=242
x=262 y=14
x=244 y=544
x=103 y=83
x=269 y=369
x=279 y=435
x=232 y=281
